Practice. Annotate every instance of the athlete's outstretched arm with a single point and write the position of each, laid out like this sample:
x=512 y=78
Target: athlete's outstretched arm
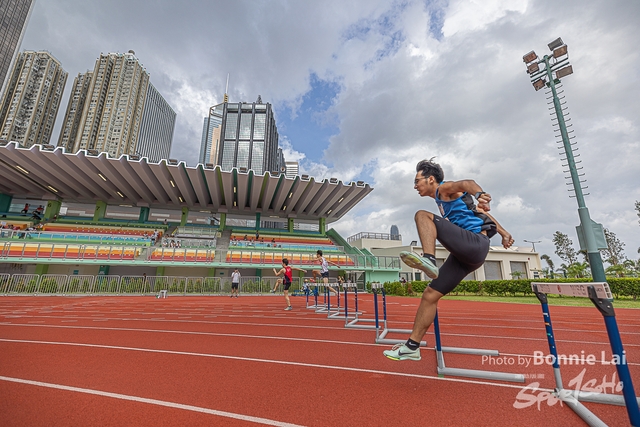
x=507 y=239
x=277 y=273
x=298 y=269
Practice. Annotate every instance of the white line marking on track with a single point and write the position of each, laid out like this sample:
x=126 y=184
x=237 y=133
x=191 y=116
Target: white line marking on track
x=288 y=363
x=138 y=399
x=214 y=334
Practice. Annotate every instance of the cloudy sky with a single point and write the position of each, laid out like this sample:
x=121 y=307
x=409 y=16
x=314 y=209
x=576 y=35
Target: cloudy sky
x=366 y=89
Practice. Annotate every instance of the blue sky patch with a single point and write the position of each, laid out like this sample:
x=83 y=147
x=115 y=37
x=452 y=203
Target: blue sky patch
x=309 y=131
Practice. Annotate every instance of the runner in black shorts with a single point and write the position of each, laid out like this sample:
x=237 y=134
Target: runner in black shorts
x=287 y=278
x=464 y=229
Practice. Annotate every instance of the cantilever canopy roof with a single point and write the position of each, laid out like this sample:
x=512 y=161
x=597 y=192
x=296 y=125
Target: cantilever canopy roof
x=48 y=173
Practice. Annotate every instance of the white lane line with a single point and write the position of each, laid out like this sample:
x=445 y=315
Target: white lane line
x=248 y=418
x=605 y=343
x=213 y=334
x=288 y=363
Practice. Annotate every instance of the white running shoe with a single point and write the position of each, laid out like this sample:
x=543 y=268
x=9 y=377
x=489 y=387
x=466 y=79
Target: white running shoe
x=414 y=260
x=402 y=352
x=288 y=308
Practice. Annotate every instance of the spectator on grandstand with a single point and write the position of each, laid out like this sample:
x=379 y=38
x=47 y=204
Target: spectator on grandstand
x=40 y=210
x=324 y=270
x=235 y=282
x=257 y=235
x=245 y=238
x=25 y=209
x=273 y=242
x=287 y=278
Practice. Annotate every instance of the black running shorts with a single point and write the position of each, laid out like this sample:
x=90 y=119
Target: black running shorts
x=467 y=252
x=234 y=285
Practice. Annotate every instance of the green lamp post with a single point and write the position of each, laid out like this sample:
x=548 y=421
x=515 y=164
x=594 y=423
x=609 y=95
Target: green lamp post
x=554 y=67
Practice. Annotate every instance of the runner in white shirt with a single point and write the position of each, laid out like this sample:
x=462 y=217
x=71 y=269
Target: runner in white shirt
x=324 y=270
x=235 y=282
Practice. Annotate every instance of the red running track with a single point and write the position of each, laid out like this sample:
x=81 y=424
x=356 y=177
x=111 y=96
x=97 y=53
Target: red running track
x=114 y=361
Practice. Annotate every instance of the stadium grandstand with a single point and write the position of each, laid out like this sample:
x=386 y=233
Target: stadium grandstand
x=88 y=223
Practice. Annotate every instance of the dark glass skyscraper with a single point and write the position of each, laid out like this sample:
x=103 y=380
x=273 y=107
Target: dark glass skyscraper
x=248 y=138
x=14 y=15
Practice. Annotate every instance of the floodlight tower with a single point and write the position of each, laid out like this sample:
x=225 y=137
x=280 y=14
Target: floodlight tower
x=590 y=234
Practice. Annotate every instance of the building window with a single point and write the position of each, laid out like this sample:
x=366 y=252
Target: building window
x=519 y=267
x=243 y=154
x=228 y=154
x=259 y=126
x=245 y=126
x=230 y=130
x=493 y=270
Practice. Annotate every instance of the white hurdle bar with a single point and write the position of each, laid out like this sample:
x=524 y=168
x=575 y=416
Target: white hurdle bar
x=381 y=336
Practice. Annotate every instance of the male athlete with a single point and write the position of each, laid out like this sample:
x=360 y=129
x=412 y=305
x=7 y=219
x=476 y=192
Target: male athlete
x=324 y=270
x=286 y=280
x=464 y=230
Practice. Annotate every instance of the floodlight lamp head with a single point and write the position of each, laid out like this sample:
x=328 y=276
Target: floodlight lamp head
x=533 y=68
x=561 y=51
x=539 y=84
x=563 y=72
x=555 y=44
x=530 y=57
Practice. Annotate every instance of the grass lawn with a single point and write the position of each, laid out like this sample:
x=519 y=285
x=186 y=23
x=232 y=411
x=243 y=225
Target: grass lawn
x=553 y=300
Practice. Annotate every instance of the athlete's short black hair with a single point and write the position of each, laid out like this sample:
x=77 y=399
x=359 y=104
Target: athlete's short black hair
x=285 y=261
x=430 y=168
x=319 y=252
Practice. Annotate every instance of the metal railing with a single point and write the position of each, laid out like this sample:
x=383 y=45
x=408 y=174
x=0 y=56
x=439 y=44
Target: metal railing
x=377 y=236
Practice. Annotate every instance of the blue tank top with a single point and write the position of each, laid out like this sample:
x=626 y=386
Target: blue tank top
x=462 y=212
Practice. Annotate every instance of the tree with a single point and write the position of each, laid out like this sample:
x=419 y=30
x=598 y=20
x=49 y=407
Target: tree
x=549 y=261
x=638 y=210
x=614 y=254
x=578 y=269
x=564 y=248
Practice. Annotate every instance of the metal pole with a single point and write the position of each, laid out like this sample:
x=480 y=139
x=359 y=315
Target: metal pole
x=595 y=260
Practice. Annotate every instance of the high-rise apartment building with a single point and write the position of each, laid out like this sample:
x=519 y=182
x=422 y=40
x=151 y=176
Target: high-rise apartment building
x=248 y=137
x=210 y=143
x=114 y=109
x=156 y=130
x=14 y=15
x=31 y=98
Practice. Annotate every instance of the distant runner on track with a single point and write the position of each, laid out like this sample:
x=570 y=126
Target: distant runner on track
x=324 y=270
x=287 y=278
x=464 y=230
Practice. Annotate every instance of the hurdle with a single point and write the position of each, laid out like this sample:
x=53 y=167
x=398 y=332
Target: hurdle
x=443 y=370
x=348 y=319
x=315 y=296
x=600 y=294
x=162 y=294
x=381 y=335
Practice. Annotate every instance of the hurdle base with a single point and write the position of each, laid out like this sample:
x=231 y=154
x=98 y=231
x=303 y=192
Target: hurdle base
x=476 y=351
x=609 y=399
x=587 y=416
x=354 y=324
x=485 y=375
x=382 y=337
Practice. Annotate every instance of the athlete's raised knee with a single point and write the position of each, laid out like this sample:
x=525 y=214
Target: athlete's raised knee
x=431 y=295
x=422 y=215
